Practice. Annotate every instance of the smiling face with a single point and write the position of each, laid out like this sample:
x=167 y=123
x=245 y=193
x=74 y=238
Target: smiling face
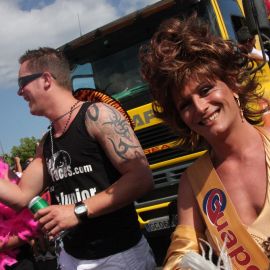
x=33 y=91
x=209 y=109
x=30 y=90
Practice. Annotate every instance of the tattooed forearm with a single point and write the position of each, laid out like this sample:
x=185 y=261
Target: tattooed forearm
x=93 y=112
x=122 y=148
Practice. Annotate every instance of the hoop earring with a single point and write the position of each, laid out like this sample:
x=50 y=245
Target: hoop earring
x=240 y=108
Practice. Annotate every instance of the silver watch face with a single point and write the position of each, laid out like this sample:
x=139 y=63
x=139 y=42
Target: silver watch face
x=80 y=209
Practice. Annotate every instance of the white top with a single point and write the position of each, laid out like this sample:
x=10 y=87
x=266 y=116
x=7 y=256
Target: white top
x=258 y=54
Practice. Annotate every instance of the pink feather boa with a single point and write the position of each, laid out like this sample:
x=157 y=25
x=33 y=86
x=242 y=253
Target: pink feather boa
x=20 y=224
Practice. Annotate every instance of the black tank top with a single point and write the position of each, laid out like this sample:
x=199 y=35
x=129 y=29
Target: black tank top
x=79 y=169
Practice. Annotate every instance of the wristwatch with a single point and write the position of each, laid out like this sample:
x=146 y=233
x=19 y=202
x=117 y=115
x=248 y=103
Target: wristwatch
x=81 y=211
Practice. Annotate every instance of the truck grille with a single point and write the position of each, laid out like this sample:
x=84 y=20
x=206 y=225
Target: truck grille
x=166 y=179
x=158 y=135
x=166 y=154
x=155 y=135
x=166 y=184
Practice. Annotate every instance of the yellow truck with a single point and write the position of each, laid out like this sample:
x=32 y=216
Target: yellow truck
x=107 y=59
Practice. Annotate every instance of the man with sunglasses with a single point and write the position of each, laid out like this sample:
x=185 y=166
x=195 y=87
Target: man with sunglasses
x=93 y=165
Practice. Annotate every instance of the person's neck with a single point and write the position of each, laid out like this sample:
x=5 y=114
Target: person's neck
x=63 y=116
x=236 y=145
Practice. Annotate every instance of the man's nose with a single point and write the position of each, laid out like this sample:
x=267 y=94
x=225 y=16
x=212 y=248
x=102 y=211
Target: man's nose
x=20 y=91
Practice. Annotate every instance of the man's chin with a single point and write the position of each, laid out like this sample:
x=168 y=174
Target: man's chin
x=33 y=112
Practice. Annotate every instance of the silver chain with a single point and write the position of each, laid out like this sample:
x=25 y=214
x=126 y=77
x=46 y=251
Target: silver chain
x=51 y=136
x=72 y=108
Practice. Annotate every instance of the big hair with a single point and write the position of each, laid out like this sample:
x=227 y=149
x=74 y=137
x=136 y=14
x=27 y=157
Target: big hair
x=47 y=59
x=184 y=50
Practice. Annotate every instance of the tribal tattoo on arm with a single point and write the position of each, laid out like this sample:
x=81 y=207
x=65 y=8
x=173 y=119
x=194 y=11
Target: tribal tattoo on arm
x=122 y=135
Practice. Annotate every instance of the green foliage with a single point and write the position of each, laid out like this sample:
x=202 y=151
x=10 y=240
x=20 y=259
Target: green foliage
x=8 y=159
x=25 y=150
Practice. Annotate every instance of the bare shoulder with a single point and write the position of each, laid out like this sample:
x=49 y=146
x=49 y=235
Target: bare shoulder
x=101 y=109
x=108 y=126
x=101 y=117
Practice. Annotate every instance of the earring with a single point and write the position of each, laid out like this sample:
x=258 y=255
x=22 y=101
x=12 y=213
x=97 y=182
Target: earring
x=194 y=139
x=240 y=108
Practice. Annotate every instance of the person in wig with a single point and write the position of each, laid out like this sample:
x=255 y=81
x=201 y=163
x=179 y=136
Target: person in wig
x=203 y=91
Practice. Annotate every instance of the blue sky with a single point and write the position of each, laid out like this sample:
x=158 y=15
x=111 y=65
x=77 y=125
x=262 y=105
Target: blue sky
x=29 y=24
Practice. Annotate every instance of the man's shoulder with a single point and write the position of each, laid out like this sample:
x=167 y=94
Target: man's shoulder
x=99 y=110
x=100 y=105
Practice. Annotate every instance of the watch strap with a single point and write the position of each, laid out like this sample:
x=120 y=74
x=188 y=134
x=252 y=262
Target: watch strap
x=82 y=216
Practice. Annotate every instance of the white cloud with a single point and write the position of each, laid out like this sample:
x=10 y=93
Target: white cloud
x=51 y=25
x=130 y=6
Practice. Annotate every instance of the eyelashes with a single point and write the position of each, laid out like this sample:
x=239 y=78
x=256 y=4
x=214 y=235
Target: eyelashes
x=202 y=91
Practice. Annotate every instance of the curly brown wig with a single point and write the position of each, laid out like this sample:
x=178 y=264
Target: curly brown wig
x=184 y=50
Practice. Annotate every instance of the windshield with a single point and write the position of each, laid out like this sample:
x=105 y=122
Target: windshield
x=118 y=74
x=232 y=16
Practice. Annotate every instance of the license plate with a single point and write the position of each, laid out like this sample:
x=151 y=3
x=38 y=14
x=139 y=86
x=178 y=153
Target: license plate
x=159 y=224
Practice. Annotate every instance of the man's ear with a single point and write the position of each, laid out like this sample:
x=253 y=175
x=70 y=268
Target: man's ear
x=47 y=80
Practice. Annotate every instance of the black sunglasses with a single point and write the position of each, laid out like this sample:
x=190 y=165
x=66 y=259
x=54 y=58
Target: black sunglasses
x=23 y=81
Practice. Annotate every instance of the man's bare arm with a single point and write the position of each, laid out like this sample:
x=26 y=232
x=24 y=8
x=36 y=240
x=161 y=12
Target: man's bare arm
x=109 y=127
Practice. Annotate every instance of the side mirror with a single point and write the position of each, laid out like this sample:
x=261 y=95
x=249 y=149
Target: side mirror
x=256 y=16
